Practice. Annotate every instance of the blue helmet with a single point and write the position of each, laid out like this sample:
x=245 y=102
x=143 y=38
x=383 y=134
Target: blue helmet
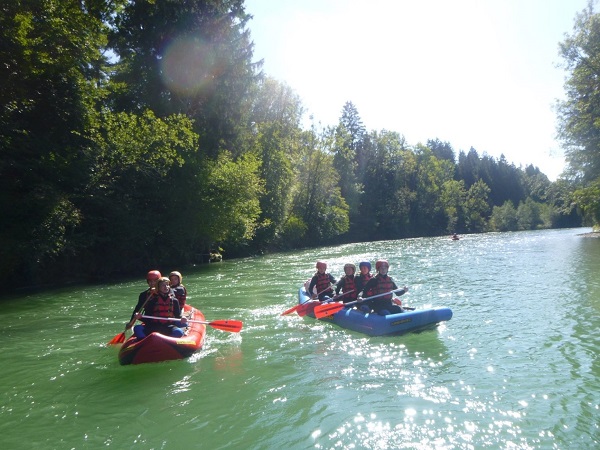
x=365 y=263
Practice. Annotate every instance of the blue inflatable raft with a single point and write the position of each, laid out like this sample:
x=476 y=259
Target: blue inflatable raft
x=376 y=325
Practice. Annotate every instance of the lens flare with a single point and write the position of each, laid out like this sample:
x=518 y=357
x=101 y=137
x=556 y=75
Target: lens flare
x=189 y=65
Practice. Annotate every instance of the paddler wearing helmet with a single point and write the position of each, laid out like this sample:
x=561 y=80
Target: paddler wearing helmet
x=152 y=278
x=162 y=304
x=347 y=284
x=380 y=284
x=322 y=282
x=179 y=289
x=360 y=280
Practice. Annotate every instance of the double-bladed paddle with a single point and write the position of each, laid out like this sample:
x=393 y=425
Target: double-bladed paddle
x=329 y=309
x=233 y=326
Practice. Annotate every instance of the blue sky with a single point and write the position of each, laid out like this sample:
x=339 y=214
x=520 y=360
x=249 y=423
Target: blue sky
x=475 y=73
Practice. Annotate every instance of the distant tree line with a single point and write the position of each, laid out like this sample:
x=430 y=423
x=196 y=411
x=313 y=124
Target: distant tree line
x=142 y=134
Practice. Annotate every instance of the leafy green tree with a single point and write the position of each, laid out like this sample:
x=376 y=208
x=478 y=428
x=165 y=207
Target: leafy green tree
x=453 y=197
x=317 y=200
x=528 y=215
x=578 y=115
x=129 y=195
x=52 y=74
x=388 y=187
x=537 y=183
x=192 y=57
x=477 y=207
x=429 y=216
x=504 y=218
x=232 y=196
x=276 y=114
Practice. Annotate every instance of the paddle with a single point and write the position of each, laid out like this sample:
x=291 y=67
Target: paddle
x=120 y=338
x=233 y=326
x=305 y=307
x=295 y=308
x=328 y=309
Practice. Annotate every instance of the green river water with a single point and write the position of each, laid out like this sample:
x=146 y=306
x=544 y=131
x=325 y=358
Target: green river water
x=517 y=367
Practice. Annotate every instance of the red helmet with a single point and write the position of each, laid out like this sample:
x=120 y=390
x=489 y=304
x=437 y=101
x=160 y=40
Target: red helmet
x=321 y=265
x=381 y=262
x=153 y=275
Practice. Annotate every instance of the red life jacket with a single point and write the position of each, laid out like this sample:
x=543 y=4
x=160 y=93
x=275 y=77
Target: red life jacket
x=163 y=307
x=349 y=285
x=384 y=284
x=323 y=283
x=362 y=282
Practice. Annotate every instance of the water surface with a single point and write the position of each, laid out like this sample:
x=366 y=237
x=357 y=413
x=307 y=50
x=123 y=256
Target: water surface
x=516 y=367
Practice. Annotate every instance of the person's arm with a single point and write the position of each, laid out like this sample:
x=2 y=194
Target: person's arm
x=311 y=287
x=340 y=285
x=313 y=283
x=142 y=299
x=370 y=284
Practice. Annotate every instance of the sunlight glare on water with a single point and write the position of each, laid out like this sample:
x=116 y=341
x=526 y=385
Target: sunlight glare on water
x=515 y=368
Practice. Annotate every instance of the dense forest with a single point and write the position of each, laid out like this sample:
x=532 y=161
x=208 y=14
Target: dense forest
x=140 y=134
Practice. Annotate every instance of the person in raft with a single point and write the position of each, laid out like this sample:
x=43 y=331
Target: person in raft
x=347 y=284
x=179 y=289
x=322 y=281
x=151 y=278
x=380 y=284
x=363 y=277
x=162 y=303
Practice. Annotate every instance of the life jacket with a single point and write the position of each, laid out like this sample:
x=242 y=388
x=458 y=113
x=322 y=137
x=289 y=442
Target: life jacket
x=323 y=283
x=384 y=284
x=361 y=282
x=163 y=307
x=349 y=285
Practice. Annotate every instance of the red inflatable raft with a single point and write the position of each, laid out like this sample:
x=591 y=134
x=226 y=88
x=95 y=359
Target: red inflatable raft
x=158 y=347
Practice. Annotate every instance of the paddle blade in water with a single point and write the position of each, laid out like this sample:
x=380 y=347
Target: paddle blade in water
x=233 y=326
x=118 y=339
x=291 y=310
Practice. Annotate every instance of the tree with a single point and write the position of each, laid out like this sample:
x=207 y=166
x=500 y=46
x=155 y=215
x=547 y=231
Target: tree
x=192 y=57
x=317 y=200
x=388 y=187
x=579 y=114
x=528 y=215
x=477 y=207
x=429 y=216
x=52 y=73
x=441 y=150
x=504 y=218
x=276 y=115
x=453 y=197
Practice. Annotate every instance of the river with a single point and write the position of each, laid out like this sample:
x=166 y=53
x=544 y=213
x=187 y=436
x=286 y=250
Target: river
x=517 y=367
